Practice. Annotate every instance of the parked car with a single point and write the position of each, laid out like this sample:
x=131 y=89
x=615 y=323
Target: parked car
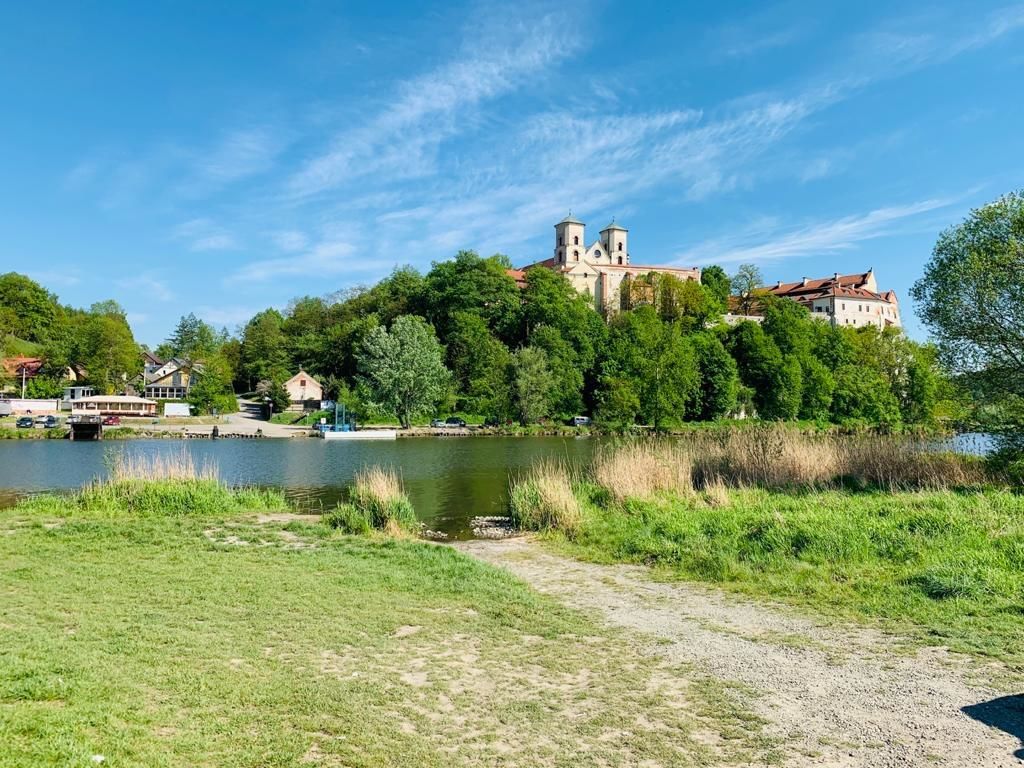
x=41 y=418
x=437 y=423
x=111 y=421
x=580 y=421
x=51 y=422
x=24 y=422
x=454 y=421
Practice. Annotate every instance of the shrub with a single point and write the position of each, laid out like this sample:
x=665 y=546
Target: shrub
x=543 y=499
x=349 y=519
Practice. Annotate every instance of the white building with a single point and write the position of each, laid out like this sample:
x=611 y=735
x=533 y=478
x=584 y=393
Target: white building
x=598 y=269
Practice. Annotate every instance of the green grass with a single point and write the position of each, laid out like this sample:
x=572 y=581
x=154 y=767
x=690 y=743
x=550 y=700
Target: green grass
x=159 y=640
x=946 y=567
x=198 y=497
x=302 y=420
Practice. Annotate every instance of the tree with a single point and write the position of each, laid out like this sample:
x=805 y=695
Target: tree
x=971 y=295
x=776 y=384
x=107 y=351
x=566 y=396
x=264 y=352
x=479 y=363
x=658 y=362
x=192 y=339
x=718 y=377
x=863 y=395
x=403 y=369
x=718 y=284
x=533 y=384
x=470 y=283
x=34 y=308
x=746 y=284
x=212 y=389
x=618 y=403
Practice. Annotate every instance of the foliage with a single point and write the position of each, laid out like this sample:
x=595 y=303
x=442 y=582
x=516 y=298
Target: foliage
x=264 y=354
x=192 y=339
x=403 y=368
x=746 y=284
x=533 y=385
x=213 y=391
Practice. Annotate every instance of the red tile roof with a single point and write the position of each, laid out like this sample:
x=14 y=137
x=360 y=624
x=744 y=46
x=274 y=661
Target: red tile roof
x=13 y=365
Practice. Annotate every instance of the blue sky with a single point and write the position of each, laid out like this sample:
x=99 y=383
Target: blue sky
x=227 y=157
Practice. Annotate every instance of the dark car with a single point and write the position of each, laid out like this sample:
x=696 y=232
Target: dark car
x=25 y=422
x=51 y=422
x=455 y=421
x=111 y=421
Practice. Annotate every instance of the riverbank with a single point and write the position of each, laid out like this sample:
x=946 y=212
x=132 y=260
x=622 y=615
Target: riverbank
x=144 y=630
x=927 y=545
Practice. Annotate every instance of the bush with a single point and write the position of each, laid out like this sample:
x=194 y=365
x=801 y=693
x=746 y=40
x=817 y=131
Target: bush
x=349 y=519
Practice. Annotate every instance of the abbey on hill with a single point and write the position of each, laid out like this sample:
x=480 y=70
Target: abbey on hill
x=598 y=270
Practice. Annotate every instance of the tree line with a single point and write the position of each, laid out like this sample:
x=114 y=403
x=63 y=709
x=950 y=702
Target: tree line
x=464 y=338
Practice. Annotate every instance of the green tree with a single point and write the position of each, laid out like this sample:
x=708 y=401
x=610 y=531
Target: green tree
x=107 y=351
x=213 y=389
x=618 y=404
x=533 y=384
x=470 y=283
x=719 y=379
x=776 y=385
x=192 y=339
x=658 y=362
x=403 y=369
x=34 y=308
x=479 y=364
x=264 y=351
x=567 y=393
x=719 y=286
x=864 y=395
x=971 y=296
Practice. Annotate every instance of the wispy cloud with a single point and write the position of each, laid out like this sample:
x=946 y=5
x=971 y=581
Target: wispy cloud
x=328 y=258
x=150 y=286
x=204 y=234
x=290 y=240
x=403 y=138
x=767 y=241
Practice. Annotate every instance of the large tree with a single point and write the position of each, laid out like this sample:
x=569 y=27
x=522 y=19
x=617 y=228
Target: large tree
x=403 y=369
x=746 y=284
x=264 y=351
x=533 y=384
x=971 y=296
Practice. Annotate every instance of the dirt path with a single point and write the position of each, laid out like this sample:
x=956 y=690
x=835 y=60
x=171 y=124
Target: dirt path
x=835 y=696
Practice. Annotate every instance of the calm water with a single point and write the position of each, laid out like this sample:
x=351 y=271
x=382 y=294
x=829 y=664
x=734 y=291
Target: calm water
x=449 y=480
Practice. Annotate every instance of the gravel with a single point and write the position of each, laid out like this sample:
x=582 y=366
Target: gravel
x=833 y=695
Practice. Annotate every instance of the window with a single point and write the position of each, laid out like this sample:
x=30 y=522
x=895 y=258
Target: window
x=598 y=253
x=844 y=306
x=620 y=260
x=560 y=240
x=576 y=255
x=559 y=255
x=302 y=382
x=576 y=240
x=620 y=246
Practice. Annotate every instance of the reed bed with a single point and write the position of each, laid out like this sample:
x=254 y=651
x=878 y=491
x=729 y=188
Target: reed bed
x=376 y=501
x=642 y=470
x=159 y=485
x=544 y=499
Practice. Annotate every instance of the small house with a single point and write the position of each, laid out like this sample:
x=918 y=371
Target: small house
x=303 y=389
x=173 y=380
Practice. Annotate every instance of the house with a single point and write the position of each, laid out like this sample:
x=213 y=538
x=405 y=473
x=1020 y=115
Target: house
x=22 y=368
x=150 y=364
x=599 y=269
x=851 y=300
x=113 y=405
x=173 y=380
x=303 y=388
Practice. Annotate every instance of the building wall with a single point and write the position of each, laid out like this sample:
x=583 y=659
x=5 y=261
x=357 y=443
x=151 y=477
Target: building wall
x=299 y=393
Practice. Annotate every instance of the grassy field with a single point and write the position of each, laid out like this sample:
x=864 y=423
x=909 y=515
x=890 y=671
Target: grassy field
x=159 y=624
x=943 y=564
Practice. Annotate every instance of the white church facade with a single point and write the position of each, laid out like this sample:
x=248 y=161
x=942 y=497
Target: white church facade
x=599 y=269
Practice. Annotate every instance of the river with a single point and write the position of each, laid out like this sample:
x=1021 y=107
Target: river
x=449 y=480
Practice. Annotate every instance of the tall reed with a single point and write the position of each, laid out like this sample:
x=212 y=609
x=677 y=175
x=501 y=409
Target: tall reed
x=641 y=470
x=378 y=495
x=543 y=499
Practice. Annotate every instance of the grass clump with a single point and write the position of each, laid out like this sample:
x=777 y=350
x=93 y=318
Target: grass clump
x=140 y=485
x=377 y=501
x=543 y=499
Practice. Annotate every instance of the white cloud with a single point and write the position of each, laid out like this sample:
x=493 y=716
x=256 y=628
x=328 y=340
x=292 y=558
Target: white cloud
x=204 y=234
x=403 y=139
x=289 y=240
x=766 y=241
x=328 y=258
x=150 y=286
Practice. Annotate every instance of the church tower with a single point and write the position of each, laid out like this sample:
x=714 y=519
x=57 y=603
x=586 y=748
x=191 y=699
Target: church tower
x=613 y=238
x=569 y=241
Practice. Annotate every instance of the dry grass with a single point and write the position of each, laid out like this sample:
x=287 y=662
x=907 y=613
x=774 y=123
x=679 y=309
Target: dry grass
x=544 y=499
x=377 y=493
x=643 y=470
x=773 y=456
x=126 y=467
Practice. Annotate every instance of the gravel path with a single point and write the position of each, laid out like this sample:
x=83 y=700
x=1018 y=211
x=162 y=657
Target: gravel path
x=837 y=696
